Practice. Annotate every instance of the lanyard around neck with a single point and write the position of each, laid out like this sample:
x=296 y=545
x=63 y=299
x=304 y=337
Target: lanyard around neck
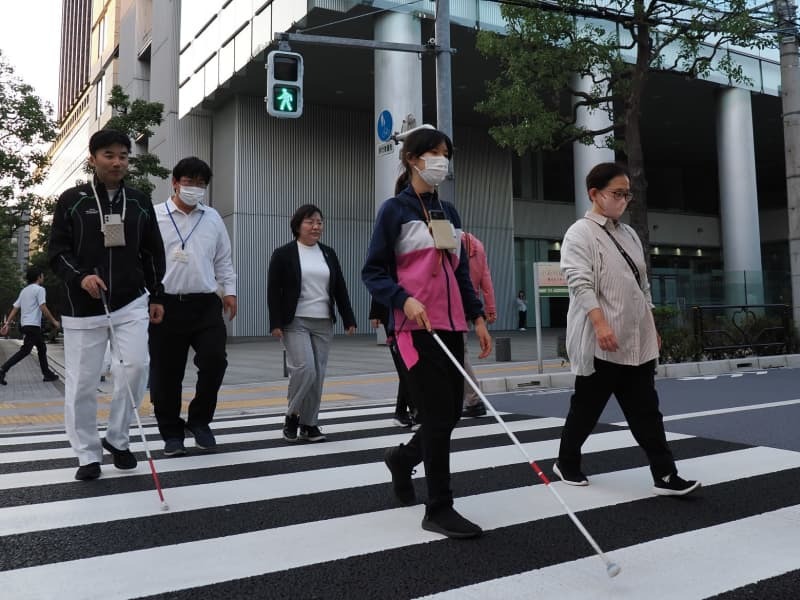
x=100 y=208
x=178 y=231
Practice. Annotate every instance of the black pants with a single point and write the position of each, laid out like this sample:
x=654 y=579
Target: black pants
x=634 y=388
x=195 y=321
x=32 y=336
x=438 y=388
x=523 y=319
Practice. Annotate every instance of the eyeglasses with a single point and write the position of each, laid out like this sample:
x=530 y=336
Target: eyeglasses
x=312 y=222
x=626 y=195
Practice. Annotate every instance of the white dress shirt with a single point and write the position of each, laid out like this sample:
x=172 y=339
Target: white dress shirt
x=198 y=250
x=29 y=303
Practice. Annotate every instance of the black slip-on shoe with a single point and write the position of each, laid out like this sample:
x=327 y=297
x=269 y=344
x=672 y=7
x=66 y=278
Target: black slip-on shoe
x=448 y=522
x=401 y=472
x=203 y=436
x=124 y=460
x=569 y=476
x=88 y=472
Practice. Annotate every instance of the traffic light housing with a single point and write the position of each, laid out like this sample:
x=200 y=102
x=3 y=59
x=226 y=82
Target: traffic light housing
x=284 y=84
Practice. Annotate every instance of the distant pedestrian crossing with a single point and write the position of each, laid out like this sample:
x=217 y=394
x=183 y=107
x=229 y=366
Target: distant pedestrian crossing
x=261 y=518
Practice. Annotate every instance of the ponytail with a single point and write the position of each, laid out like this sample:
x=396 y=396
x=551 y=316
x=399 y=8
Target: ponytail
x=402 y=181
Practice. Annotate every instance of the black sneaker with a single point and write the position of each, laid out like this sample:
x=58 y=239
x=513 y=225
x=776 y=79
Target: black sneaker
x=673 y=485
x=87 y=472
x=402 y=420
x=50 y=377
x=311 y=433
x=174 y=447
x=124 y=460
x=570 y=477
x=290 y=428
x=401 y=476
x=203 y=437
x=451 y=524
x=476 y=410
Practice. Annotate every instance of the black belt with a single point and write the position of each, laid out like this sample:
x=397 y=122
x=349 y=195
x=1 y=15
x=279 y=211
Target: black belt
x=190 y=297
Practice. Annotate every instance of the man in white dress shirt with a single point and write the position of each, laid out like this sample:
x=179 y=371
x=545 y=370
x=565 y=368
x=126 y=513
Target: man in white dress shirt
x=198 y=253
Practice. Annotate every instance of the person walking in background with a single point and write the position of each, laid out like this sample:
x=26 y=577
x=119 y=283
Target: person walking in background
x=198 y=259
x=612 y=340
x=105 y=240
x=522 y=311
x=419 y=269
x=405 y=415
x=31 y=305
x=482 y=282
x=304 y=282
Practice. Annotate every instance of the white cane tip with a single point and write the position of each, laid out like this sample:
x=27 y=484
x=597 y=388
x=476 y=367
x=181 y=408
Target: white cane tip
x=164 y=507
x=613 y=569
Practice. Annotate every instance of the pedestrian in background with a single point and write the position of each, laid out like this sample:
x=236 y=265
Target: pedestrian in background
x=522 y=311
x=419 y=269
x=198 y=263
x=405 y=415
x=482 y=282
x=30 y=304
x=304 y=283
x=105 y=239
x=612 y=340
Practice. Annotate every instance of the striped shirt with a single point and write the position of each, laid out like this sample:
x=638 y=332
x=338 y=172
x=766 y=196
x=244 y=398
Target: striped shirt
x=599 y=277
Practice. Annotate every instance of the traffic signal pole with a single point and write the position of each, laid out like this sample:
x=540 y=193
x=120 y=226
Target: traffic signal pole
x=444 y=87
x=790 y=96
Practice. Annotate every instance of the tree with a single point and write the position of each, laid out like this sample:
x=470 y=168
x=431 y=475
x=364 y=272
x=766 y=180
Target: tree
x=26 y=127
x=535 y=101
x=136 y=119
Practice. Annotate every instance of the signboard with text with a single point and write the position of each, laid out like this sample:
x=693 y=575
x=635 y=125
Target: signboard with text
x=550 y=280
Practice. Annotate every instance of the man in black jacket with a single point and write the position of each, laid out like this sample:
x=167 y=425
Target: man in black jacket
x=105 y=238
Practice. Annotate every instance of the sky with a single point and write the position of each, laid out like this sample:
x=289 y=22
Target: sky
x=30 y=38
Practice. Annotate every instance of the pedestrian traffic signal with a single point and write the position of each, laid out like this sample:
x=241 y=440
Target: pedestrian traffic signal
x=284 y=84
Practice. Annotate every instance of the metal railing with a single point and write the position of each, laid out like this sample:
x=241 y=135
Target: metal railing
x=758 y=328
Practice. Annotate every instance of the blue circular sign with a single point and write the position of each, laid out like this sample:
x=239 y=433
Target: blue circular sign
x=384 y=126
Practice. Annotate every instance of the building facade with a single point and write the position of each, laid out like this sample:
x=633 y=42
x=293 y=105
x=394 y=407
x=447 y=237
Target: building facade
x=714 y=151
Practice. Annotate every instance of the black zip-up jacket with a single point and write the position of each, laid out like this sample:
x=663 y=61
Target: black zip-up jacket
x=77 y=248
x=283 y=286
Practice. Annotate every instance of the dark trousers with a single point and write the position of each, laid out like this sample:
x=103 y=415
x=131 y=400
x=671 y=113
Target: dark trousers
x=523 y=319
x=192 y=322
x=634 y=388
x=405 y=402
x=438 y=389
x=32 y=336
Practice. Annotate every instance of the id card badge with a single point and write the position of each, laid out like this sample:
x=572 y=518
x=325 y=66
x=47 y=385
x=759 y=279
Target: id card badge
x=444 y=234
x=113 y=231
x=180 y=256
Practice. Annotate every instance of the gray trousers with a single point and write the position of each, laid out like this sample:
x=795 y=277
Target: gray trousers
x=470 y=397
x=307 y=342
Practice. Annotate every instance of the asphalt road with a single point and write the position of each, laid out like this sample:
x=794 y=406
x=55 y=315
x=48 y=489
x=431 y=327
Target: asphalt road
x=761 y=408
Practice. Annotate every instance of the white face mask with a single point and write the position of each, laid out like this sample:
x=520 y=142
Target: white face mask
x=436 y=168
x=191 y=195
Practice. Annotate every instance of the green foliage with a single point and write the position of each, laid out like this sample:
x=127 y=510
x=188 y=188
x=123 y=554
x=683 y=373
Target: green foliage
x=26 y=126
x=136 y=119
x=535 y=99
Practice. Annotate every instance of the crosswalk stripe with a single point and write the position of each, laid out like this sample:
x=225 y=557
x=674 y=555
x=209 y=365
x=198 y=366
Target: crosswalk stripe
x=767 y=544
x=282 y=548
x=261 y=508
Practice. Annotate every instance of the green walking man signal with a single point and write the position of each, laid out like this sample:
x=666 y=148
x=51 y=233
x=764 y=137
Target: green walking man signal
x=284 y=84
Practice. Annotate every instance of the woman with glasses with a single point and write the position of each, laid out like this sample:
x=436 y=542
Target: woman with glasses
x=304 y=282
x=612 y=341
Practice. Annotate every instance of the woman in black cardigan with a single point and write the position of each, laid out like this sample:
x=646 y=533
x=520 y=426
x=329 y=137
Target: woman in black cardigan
x=304 y=282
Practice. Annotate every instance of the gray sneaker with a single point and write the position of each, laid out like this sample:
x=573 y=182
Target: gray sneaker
x=174 y=447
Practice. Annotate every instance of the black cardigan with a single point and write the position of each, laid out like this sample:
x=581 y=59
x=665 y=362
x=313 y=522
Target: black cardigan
x=283 y=286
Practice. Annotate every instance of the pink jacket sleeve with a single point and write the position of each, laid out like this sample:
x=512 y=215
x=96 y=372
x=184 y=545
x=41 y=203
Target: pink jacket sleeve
x=480 y=274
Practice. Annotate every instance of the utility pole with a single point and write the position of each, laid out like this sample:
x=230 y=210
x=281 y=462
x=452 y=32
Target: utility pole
x=444 y=87
x=790 y=95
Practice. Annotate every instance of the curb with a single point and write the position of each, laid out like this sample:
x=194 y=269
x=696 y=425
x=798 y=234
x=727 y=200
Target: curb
x=493 y=385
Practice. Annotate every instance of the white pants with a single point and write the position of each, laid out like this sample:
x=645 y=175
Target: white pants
x=83 y=363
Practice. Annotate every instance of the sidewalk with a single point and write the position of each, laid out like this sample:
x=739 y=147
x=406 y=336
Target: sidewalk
x=359 y=370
